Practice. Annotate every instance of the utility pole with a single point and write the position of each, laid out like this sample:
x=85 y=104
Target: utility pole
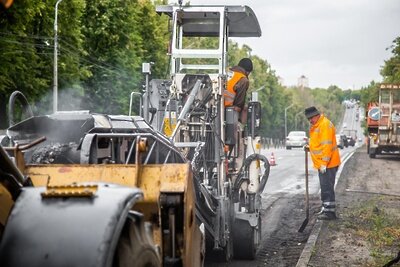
x=291 y=105
x=55 y=67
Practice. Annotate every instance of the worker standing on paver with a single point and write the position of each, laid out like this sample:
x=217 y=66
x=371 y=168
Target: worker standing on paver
x=237 y=85
x=326 y=159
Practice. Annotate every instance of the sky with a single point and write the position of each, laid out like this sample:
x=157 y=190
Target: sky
x=335 y=42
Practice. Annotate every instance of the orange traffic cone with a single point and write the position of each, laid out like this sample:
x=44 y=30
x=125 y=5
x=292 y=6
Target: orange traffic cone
x=272 y=160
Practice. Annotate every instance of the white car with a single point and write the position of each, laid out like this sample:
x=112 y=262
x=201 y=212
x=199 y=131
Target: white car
x=296 y=139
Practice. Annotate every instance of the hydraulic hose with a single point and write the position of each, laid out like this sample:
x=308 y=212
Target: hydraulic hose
x=245 y=168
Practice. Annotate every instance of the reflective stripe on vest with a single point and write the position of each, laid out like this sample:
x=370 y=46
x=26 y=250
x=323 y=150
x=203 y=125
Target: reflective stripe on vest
x=317 y=152
x=229 y=93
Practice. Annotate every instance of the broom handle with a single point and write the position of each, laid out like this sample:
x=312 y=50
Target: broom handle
x=307 y=200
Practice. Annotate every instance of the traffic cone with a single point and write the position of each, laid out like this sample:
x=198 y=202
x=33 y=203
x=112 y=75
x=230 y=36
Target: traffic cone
x=272 y=160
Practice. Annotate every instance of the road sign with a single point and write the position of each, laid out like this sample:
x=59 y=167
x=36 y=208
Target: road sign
x=374 y=113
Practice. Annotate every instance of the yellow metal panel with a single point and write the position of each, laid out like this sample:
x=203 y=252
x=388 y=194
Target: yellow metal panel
x=169 y=124
x=194 y=242
x=153 y=178
x=56 y=174
x=6 y=204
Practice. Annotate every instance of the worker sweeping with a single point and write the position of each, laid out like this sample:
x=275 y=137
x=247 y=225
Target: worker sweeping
x=326 y=159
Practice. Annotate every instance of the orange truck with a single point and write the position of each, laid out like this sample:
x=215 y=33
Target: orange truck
x=383 y=121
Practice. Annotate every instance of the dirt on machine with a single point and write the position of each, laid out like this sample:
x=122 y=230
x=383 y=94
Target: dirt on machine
x=163 y=189
x=383 y=121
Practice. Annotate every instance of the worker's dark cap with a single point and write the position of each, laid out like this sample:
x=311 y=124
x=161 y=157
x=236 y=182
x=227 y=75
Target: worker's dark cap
x=246 y=64
x=311 y=112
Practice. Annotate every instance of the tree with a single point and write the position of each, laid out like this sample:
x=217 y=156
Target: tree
x=120 y=36
x=391 y=69
x=21 y=44
x=26 y=39
x=369 y=93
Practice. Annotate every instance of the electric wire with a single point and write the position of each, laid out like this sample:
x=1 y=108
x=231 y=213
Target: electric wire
x=27 y=36
x=76 y=52
x=88 y=56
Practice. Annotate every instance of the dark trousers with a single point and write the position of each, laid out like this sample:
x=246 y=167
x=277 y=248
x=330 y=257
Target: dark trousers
x=327 y=183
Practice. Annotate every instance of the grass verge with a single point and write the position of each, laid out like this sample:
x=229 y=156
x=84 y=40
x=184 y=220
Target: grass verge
x=378 y=222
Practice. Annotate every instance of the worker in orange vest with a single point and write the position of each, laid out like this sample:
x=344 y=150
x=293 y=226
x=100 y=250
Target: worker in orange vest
x=326 y=159
x=6 y=3
x=237 y=85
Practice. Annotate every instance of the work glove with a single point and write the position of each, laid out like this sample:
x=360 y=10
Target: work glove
x=322 y=169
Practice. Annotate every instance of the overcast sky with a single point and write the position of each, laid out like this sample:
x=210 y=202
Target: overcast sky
x=339 y=42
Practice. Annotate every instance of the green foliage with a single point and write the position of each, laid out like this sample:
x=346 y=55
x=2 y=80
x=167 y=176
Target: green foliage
x=369 y=93
x=21 y=42
x=328 y=102
x=102 y=45
x=391 y=68
x=390 y=72
x=120 y=36
x=114 y=51
x=27 y=42
x=155 y=35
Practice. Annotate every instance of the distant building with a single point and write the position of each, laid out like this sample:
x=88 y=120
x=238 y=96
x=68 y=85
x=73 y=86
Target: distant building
x=302 y=81
x=281 y=80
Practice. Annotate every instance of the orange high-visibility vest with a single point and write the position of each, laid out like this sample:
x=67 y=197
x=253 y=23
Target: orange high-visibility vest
x=323 y=148
x=229 y=92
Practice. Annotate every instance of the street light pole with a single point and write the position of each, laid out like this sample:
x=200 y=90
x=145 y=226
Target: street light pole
x=262 y=87
x=291 y=105
x=55 y=67
x=254 y=94
x=295 y=119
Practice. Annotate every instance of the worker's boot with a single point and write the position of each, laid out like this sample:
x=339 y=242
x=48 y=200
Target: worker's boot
x=327 y=215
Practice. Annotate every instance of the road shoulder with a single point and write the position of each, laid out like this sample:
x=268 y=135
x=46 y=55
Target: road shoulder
x=368 y=192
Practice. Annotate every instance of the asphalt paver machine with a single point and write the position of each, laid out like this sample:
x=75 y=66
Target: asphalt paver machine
x=223 y=146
